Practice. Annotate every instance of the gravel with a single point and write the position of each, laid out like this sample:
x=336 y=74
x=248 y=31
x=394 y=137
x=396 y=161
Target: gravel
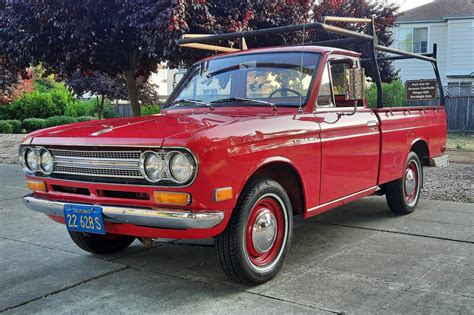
x=454 y=183
x=9 y=148
x=451 y=184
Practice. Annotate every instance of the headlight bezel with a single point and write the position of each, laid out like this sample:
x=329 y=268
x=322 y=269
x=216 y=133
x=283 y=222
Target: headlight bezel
x=38 y=151
x=143 y=168
x=166 y=155
x=40 y=159
x=27 y=167
x=172 y=157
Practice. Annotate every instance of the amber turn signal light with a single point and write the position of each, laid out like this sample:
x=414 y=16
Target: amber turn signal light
x=172 y=198
x=36 y=185
x=222 y=194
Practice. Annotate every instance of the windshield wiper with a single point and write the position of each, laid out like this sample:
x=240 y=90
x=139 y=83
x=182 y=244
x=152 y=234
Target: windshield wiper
x=232 y=99
x=196 y=102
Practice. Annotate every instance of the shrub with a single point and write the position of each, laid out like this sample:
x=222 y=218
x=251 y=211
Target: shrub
x=109 y=111
x=150 y=109
x=5 y=127
x=4 y=112
x=79 y=108
x=61 y=97
x=32 y=124
x=33 y=105
x=16 y=125
x=393 y=94
x=85 y=118
x=59 y=120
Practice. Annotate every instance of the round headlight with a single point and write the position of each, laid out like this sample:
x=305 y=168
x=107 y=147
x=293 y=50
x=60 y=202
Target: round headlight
x=181 y=167
x=31 y=160
x=152 y=166
x=46 y=162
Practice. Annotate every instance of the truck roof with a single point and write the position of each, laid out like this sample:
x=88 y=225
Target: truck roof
x=276 y=49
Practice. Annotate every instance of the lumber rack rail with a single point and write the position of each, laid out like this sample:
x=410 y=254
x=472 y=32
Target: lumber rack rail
x=208 y=42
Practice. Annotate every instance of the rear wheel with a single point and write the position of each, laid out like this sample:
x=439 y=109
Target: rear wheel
x=101 y=244
x=253 y=246
x=403 y=194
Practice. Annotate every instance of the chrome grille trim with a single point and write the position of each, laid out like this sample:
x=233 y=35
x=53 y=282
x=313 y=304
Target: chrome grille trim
x=101 y=172
x=124 y=164
x=125 y=155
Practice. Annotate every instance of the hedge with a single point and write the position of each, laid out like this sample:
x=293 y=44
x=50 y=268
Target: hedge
x=150 y=109
x=16 y=125
x=5 y=127
x=32 y=124
x=58 y=121
x=37 y=105
x=85 y=118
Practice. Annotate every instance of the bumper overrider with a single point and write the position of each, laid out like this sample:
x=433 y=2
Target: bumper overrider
x=159 y=218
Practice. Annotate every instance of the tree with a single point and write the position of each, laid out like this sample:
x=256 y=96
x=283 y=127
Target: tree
x=128 y=37
x=384 y=13
x=109 y=87
x=113 y=37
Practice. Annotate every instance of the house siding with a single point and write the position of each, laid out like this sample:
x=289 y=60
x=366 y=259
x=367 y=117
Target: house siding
x=460 y=46
x=455 y=40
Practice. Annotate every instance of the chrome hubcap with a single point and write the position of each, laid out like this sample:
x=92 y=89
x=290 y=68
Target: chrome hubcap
x=264 y=231
x=410 y=182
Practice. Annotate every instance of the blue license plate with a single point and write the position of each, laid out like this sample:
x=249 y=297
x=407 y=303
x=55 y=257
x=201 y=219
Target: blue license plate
x=81 y=218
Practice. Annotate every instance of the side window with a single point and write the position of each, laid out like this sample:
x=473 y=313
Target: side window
x=325 y=95
x=337 y=75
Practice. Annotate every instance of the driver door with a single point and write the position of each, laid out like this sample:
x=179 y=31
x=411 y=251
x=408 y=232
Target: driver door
x=350 y=140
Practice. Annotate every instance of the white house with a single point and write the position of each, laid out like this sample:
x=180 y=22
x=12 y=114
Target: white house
x=449 y=24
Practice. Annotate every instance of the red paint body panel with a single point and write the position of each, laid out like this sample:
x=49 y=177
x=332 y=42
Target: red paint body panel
x=338 y=158
x=401 y=128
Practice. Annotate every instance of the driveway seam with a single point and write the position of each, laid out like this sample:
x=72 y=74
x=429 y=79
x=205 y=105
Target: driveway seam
x=65 y=288
x=398 y=232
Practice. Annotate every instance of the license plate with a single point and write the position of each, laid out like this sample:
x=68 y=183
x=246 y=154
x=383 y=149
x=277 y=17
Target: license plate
x=80 y=218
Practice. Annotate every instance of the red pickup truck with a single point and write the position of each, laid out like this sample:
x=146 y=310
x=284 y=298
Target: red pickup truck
x=246 y=141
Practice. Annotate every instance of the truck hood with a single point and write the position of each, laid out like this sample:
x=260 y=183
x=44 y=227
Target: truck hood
x=137 y=131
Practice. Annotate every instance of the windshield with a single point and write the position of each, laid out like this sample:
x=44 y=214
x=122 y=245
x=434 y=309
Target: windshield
x=283 y=79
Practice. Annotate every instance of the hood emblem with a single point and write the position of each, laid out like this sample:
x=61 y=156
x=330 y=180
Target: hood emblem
x=101 y=132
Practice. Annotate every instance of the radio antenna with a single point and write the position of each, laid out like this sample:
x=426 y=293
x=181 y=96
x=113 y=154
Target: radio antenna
x=300 y=107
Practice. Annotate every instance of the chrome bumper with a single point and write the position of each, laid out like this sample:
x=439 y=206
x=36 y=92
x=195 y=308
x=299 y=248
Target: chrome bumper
x=440 y=161
x=160 y=218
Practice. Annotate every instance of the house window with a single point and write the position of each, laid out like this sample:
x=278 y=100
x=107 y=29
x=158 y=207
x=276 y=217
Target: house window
x=413 y=39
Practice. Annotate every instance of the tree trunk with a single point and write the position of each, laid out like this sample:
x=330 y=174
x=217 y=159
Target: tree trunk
x=132 y=91
x=100 y=109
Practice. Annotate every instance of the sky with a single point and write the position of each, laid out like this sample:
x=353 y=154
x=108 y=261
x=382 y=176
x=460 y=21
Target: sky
x=410 y=4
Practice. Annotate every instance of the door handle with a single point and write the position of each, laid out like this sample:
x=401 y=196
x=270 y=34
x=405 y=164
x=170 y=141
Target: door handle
x=372 y=123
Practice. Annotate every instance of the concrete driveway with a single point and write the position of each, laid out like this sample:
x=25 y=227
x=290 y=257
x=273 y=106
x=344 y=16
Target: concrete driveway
x=357 y=259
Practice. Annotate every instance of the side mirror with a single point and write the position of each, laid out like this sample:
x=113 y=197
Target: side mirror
x=355 y=84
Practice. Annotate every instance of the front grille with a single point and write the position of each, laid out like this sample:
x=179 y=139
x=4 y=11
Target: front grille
x=118 y=164
x=98 y=172
x=128 y=155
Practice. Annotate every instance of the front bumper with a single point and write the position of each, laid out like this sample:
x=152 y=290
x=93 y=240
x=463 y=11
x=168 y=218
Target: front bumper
x=160 y=218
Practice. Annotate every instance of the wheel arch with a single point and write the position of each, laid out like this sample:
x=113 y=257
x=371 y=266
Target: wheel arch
x=287 y=175
x=421 y=148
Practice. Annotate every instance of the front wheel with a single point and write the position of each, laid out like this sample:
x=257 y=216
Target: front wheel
x=101 y=244
x=403 y=194
x=253 y=246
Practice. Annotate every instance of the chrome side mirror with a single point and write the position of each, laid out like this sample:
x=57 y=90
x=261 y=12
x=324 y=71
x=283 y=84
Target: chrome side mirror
x=355 y=84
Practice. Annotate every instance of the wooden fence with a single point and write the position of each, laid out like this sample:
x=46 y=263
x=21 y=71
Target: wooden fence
x=459 y=109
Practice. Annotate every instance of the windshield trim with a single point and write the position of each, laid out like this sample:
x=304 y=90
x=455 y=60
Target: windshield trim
x=172 y=97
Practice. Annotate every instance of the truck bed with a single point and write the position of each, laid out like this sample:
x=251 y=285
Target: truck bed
x=405 y=128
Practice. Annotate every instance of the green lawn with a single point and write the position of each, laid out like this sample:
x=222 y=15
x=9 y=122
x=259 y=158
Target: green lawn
x=459 y=141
